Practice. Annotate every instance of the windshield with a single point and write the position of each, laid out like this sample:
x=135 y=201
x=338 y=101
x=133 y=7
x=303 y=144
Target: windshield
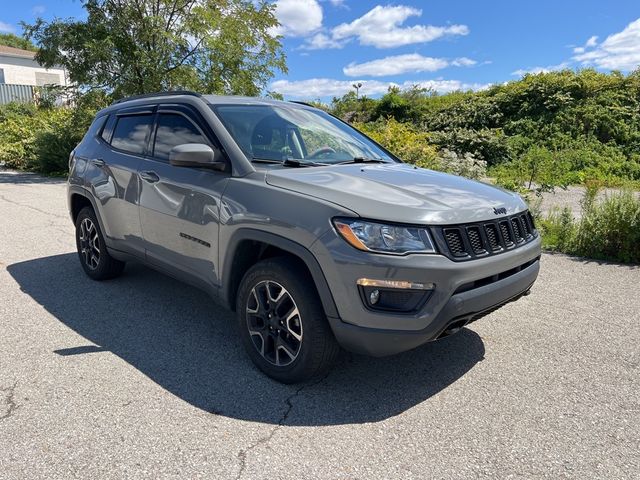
x=275 y=133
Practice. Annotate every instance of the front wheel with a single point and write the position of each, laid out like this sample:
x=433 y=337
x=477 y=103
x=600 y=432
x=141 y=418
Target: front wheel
x=282 y=324
x=94 y=258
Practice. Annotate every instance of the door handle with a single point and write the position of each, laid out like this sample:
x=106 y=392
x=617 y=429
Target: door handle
x=98 y=162
x=148 y=176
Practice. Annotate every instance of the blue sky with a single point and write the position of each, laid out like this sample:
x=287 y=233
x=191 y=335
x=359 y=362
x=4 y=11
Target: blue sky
x=331 y=44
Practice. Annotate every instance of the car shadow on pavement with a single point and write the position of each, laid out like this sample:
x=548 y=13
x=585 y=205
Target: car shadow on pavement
x=181 y=339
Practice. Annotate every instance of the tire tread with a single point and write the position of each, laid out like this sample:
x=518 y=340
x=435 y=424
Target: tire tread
x=324 y=347
x=109 y=267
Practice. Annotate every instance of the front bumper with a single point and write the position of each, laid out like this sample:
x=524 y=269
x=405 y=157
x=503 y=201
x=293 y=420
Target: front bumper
x=462 y=292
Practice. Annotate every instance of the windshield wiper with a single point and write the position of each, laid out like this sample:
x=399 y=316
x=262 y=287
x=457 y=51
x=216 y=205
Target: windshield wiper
x=361 y=160
x=294 y=162
x=265 y=160
x=289 y=162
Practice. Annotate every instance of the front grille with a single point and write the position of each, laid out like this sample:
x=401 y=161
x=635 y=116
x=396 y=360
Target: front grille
x=464 y=242
x=515 y=224
x=475 y=240
x=492 y=237
x=526 y=229
x=454 y=242
x=506 y=234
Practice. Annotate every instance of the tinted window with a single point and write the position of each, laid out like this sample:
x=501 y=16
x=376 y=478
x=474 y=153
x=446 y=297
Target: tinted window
x=174 y=130
x=108 y=129
x=131 y=133
x=1 y=75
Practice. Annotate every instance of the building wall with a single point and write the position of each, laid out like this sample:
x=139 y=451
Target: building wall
x=22 y=71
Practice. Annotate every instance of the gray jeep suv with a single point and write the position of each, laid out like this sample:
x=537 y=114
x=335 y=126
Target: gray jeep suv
x=316 y=236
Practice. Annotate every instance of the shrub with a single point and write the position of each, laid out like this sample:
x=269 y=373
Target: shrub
x=19 y=125
x=413 y=146
x=558 y=230
x=54 y=143
x=610 y=229
x=537 y=168
x=402 y=140
x=465 y=165
x=39 y=138
x=490 y=145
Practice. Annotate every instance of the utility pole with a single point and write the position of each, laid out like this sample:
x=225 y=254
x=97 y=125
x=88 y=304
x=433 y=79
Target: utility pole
x=357 y=86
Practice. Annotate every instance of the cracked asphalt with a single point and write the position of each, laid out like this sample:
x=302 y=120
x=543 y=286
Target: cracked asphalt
x=143 y=377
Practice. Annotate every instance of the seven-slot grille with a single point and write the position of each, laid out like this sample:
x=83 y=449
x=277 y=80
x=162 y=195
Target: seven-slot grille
x=464 y=242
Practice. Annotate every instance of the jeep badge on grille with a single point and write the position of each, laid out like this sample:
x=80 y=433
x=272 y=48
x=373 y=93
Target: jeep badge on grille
x=499 y=210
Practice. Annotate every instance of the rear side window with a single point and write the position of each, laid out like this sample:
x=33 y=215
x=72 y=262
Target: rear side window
x=131 y=133
x=173 y=130
x=108 y=129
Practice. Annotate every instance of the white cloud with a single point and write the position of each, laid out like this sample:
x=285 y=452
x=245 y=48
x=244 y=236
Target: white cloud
x=619 y=51
x=338 y=3
x=38 y=10
x=592 y=42
x=382 y=27
x=321 y=41
x=399 y=64
x=550 y=68
x=463 y=62
x=447 y=86
x=298 y=18
x=324 y=87
x=328 y=87
x=7 y=28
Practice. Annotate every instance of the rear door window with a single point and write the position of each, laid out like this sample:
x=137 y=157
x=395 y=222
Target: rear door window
x=131 y=133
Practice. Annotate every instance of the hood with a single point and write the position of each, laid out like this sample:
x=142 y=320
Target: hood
x=399 y=193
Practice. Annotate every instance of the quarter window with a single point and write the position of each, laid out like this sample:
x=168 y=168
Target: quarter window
x=173 y=130
x=131 y=133
x=108 y=128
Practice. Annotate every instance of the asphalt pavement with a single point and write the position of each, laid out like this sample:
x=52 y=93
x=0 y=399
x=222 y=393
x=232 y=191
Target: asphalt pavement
x=144 y=377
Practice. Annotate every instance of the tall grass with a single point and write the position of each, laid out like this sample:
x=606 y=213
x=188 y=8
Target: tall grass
x=609 y=229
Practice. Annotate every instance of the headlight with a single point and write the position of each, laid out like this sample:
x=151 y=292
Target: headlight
x=382 y=238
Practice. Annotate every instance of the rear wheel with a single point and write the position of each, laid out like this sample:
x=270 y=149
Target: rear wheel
x=282 y=323
x=94 y=258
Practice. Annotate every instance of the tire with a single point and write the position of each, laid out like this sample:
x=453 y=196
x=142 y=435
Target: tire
x=292 y=350
x=94 y=258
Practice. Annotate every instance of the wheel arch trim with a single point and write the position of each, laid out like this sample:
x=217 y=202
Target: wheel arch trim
x=289 y=246
x=77 y=190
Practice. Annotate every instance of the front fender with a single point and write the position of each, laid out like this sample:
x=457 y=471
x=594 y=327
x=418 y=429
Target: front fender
x=227 y=293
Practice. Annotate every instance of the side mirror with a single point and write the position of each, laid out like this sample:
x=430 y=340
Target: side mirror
x=196 y=155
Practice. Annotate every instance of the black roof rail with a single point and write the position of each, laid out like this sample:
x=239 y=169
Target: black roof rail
x=158 y=94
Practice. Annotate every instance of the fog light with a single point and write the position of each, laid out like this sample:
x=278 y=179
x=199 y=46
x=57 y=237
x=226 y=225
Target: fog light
x=374 y=297
x=397 y=296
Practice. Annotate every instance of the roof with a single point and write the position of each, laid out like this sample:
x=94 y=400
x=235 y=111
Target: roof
x=210 y=99
x=15 y=52
x=241 y=100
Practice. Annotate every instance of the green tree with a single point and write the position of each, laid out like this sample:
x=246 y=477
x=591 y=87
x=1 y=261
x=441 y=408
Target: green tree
x=131 y=47
x=351 y=107
x=11 y=40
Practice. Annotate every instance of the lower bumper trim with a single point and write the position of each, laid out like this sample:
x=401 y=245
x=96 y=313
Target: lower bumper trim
x=462 y=308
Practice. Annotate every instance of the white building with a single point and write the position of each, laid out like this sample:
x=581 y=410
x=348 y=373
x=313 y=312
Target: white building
x=17 y=67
